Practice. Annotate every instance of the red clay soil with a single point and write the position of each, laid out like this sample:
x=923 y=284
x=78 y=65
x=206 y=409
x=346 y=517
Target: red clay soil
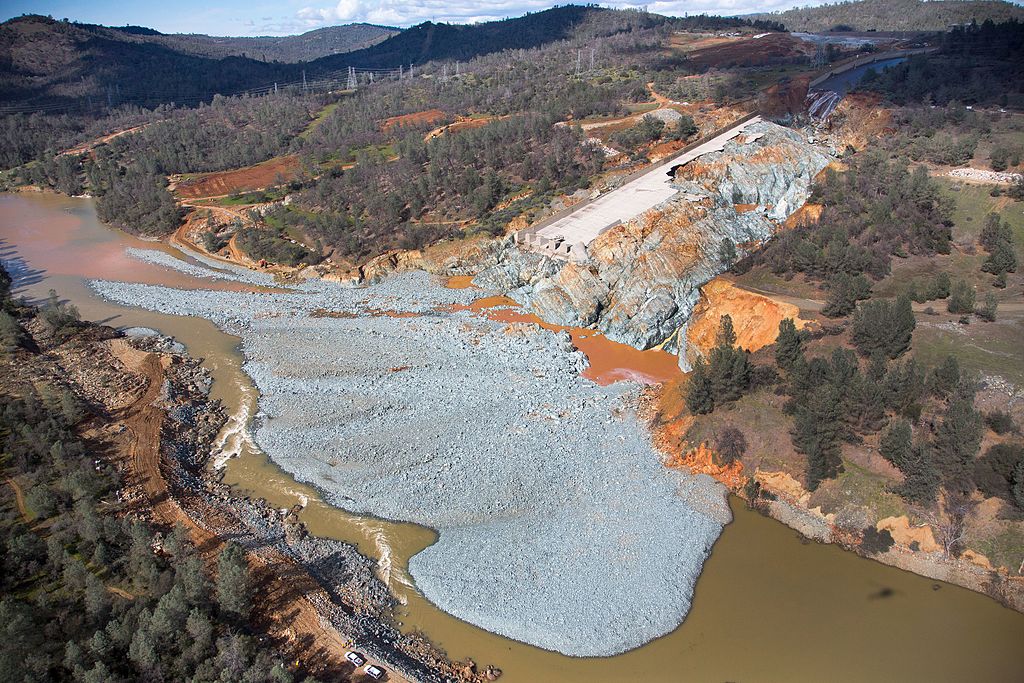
x=750 y=52
x=421 y=117
x=247 y=179
x=786 y=98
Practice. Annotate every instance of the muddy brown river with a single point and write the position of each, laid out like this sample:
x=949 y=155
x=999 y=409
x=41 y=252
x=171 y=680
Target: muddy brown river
x=768 y=607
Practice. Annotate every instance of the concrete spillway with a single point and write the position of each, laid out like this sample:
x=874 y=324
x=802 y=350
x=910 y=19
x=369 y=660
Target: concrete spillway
x=568 y=236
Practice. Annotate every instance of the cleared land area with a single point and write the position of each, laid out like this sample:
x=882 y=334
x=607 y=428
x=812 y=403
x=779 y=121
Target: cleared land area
x=255 y=177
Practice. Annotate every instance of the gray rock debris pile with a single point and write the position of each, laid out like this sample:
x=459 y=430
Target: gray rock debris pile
x=557 y=524
x=642 y=279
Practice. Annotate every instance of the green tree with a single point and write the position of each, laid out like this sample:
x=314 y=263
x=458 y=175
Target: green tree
x=1018 y=486
x=987 y=311
x=896 y=444
x=730 y=444
x=727 y=253
x=884 y=326
x=685 y=127
x=700 y=399
x=921 y=476
x=945 y=377
x=844 y=291
x=961 y=298
x=817 y=434
x=233 y=588
x=10 y=333
x=788 y=345
x=957 y=440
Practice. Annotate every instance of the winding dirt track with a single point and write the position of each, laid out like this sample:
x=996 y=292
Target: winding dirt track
x=19 y=498
x=284 y=588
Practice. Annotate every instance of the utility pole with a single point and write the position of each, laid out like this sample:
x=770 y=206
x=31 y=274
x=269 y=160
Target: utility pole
x=456 y=69
x=303 y=81
x=401 y=73
x=275 y=88
x=410 y=71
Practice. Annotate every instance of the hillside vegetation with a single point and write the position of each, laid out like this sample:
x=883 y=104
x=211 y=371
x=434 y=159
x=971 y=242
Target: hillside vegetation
x=895 y=15
x=305 y=47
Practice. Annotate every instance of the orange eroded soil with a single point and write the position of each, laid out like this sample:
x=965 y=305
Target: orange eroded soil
x=463 y=123
x=750 y=51
x=755 y=317
x=19 y=499
x=610 y=361
x=255 y=177
x=702 y=460
x=416 y=118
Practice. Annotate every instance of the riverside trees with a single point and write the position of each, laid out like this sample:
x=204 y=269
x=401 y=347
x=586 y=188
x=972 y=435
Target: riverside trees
x=87 y=594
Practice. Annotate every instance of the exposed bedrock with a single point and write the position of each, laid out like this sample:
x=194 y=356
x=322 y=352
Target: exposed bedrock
x=642 y=279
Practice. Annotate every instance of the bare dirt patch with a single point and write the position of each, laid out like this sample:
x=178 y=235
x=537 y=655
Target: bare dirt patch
x=255 y=177
x=417 y=118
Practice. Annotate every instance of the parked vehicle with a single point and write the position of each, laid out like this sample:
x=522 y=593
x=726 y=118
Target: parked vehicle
x=356 y=658
x=374 y=672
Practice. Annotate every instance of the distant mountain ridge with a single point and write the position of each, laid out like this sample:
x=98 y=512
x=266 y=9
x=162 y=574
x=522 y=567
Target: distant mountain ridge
x=53 y=65
x=304 y=47
x=895 y=15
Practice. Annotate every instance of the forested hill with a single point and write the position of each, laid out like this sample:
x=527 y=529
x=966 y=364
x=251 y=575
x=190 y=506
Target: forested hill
x=56 y=65
x=895 y=15
x=430 y=41
x=53 y=66
x=305 y=47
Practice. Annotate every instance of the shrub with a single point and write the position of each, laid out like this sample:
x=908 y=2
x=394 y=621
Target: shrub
x=961 y=298
x=1000 y=422
x=876 y=542
x=730 y=445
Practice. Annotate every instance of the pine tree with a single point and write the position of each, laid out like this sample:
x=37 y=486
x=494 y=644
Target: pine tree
x=788 y=345
x=896 y=444
x=817 y=433
x=726 y=335
x=921 y=476
x=988 y=309
x=233 y=590
x=945 y=378
x=727 y=253
x=957 y=440
x=1018 y=486
x=700 y=400
x=884 y=327
x=961 y=298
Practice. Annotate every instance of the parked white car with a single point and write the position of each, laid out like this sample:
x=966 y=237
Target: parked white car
x=356 y=658
x=374 y=672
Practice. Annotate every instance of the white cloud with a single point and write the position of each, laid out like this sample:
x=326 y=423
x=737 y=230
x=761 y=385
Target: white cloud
x=409 y=12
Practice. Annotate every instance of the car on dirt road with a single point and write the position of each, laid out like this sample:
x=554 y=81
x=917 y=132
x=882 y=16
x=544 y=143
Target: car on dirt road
x=374 y=672
x=357 y=659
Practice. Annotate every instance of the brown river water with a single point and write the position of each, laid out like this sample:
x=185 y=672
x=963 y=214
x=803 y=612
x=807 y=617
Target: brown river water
x=768 y=606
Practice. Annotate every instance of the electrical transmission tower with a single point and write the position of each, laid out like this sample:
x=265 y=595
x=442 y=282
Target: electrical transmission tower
x=351 y=78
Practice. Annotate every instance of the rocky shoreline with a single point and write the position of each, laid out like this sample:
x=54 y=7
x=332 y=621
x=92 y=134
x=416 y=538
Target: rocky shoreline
x=557 y=524
x=354 y=601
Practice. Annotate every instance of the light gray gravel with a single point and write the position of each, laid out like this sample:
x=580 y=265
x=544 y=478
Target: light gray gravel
x=557 y=524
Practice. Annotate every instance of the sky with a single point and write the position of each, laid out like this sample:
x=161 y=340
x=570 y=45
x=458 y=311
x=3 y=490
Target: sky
x=285 y=17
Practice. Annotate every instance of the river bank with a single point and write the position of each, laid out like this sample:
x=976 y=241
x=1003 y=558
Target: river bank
x=802 y=594
x=394 y=432
x=311 y=579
